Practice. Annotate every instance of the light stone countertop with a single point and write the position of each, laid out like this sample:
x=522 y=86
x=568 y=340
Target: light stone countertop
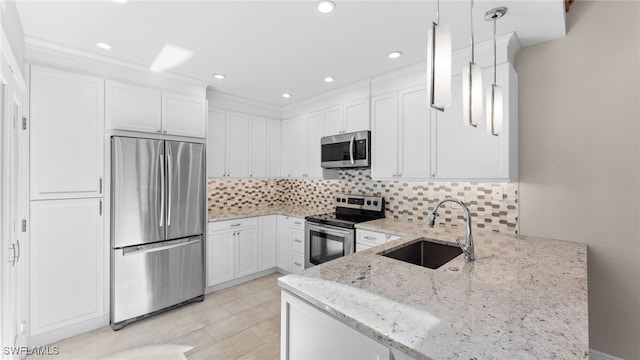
x=523 y=297
x=238 y=213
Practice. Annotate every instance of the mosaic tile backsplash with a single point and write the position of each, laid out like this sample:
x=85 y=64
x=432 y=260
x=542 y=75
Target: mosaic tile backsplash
x=406 y=200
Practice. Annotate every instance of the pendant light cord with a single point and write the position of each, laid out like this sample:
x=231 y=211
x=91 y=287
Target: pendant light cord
x=438 y=12
x=494 y=51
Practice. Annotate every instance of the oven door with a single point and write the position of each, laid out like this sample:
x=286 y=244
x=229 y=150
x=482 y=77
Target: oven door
x=324 y=243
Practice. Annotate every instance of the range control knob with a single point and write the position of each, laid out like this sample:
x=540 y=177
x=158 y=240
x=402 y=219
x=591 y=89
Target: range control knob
x=344 y=200
x=337 y=199
x=375 y=203
x=368 y=202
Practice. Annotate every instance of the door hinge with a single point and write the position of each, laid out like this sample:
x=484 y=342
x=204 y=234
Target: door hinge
x=100 y=208
x=24 y=123
x=24 y=225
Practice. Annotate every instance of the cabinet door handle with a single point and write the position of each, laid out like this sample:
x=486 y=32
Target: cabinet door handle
x=298 y=240
x=100 y=184
x=370 y=238
x=297 y=223
x=297 y=264
x=18 y=252
x=235 y=225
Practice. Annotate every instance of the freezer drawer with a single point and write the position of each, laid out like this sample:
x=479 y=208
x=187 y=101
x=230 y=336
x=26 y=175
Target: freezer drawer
x=153 y=277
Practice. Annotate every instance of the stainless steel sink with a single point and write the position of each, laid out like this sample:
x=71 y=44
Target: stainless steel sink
x=424 y=252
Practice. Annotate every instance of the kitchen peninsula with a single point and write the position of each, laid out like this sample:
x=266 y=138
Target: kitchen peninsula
x=523 y=297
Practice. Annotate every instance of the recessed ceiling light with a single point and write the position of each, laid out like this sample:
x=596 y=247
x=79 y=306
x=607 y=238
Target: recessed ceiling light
x=394 y=54
x=105 y=46
x=219 y=76
x=328 y=79
x=325 y=6
x=120 y=1
x=286 y=95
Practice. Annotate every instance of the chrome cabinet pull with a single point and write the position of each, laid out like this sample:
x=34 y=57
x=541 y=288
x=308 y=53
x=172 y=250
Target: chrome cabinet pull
x=298 y=240
x=296 y=264
x=235 y=225
x=100 y=184
x=370 y=238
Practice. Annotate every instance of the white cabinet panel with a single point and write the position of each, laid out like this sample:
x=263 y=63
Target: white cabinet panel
x=297 y=261
x=274 y=135
x=67 y=125
x=284 y=260
x=384 y=146
x=300 y=147
x=220 y=257
x=268 y=242
x=237 y=145
x=309 y=333
x=66 y=271
x=183 y=115
x=333 y=121
x=246 y=252
x=356 y=116
x=315 y=130
x=135 y=108
x=416 y=134
x=259 y=146
x=286 y=165
x=216 y=144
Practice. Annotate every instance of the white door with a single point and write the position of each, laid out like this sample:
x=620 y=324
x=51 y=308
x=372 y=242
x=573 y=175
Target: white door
x=286 y=165
x=247 y=254
x=183 y=115
x=384 y=144
x=268 y=242
x=220 y=257
x=300 y=147
x=356 y=116
x=135 y=108
x=238 y=145
x=67 y=125
x=258 y=144
x=416 y=134
x=66 y=263
x=315 y=130
x=333 y=123
x=274 y=153
x=216 y=144
x=465 y=152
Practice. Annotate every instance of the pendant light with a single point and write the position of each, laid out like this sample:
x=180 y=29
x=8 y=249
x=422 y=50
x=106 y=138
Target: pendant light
x=439 y=64
x=472 y=86
x=495 y=109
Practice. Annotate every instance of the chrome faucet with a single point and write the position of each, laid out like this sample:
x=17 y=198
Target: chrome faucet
x=466 y=248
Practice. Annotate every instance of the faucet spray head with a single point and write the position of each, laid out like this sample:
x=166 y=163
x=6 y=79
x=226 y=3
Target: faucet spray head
x=431 y=220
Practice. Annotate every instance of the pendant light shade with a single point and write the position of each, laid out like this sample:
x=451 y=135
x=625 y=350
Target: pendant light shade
x=495 y=102
x=472 y=102
x=439 y=65
x=495 y=110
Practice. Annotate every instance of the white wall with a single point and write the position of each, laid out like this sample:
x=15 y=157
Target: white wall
x=580 y=158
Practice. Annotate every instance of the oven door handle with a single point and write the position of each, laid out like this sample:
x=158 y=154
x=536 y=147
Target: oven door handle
x=351 y=149
x=329 y=232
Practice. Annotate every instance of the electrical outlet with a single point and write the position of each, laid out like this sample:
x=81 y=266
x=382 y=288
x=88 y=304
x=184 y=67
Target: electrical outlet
x=497 y=193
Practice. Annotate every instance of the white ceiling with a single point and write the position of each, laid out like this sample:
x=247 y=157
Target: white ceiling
x=266 y=48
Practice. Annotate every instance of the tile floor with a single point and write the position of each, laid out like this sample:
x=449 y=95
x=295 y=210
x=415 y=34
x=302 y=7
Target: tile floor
x=241 y=322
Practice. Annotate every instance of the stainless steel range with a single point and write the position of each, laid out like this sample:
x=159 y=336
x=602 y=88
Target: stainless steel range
x=330 y=236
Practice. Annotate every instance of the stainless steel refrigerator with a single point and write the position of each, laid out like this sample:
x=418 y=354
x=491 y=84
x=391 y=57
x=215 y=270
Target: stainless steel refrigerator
x=158 y=197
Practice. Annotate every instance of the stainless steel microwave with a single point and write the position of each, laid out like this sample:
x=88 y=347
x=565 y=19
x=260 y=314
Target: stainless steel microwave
x=351 y=150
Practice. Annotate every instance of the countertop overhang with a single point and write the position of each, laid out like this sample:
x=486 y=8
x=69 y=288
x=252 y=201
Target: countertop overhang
x=523 y=297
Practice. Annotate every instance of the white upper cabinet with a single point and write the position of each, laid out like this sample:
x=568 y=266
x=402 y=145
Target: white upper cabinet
x=183 y=115
x=216 y=144
x=357 y=116
x=384 y=143
x=314 y=128
x=333 y=121
x=300 y=147
x=274 y=133
x=237 y=145
x=415 y=134
x=465 y=152
x=258 y=143
x=286 y=164
x=134 y=108
x=67 y=126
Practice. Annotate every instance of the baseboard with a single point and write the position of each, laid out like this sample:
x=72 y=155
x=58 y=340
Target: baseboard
x=239 y=281
x=56 y=335
x=598 y=355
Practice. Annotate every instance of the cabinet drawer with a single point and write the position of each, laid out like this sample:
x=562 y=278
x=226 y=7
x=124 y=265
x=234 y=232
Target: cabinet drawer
x=297 y=262
x=296 y=222
x=297 y=240
x=370 y=237
x=232 y=224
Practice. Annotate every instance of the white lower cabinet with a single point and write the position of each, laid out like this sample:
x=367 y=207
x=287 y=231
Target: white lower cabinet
x=366 y=239
x=239 y=248
x=290 y=243
x=66 y=264
x=309 y=333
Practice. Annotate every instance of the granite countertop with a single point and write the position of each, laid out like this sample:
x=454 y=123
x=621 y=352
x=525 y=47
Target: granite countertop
x=238 y=213
x=523 y=297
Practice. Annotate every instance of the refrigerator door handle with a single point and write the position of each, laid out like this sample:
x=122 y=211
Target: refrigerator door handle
x=161 y=189
x=145 y=249
x=169 y=176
